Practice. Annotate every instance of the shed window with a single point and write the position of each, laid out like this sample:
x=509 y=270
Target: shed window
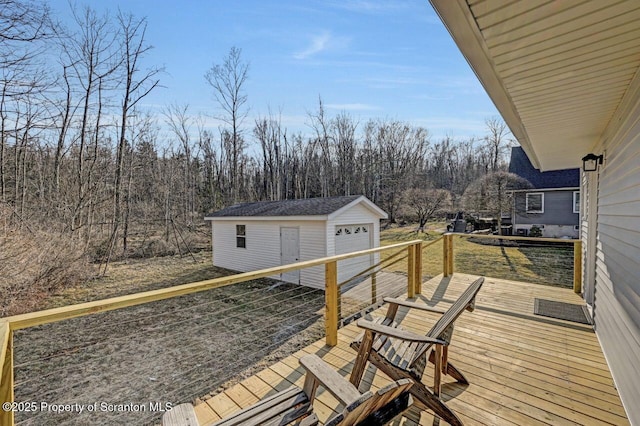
x=241 y=236
x=576 y=201
x=535 y=202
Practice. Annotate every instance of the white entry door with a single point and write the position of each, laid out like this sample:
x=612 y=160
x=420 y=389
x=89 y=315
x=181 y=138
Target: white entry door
x=290 y=253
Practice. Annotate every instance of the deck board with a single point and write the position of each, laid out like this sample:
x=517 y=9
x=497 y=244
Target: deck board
x=522 y=368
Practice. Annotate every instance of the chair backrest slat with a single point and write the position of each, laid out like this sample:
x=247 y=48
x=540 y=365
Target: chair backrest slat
x=466 y=299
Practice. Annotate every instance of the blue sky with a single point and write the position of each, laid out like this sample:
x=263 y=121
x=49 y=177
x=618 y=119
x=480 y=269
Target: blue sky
x=371 y=59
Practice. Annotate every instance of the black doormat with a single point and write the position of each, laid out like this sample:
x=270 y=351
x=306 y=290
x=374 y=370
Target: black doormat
x=562 y=310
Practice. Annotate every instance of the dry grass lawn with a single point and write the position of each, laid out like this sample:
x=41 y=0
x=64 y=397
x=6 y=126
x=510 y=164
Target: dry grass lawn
x=540 y=263
x=157 y=352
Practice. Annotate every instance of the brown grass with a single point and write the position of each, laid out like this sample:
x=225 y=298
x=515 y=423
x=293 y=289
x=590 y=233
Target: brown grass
x=35 y=264
x=167 y=351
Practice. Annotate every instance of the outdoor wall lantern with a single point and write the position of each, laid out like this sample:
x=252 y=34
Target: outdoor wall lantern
x=590 y=162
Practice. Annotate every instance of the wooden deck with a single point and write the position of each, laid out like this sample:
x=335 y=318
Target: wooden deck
x=522 y=368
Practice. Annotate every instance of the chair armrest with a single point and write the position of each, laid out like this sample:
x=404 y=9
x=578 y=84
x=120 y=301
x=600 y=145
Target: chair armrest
x=398 y=333
x=319 y=373
x=413 y=305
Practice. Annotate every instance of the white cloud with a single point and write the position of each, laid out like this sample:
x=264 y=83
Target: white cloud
x=322 y=42
x=318 y=44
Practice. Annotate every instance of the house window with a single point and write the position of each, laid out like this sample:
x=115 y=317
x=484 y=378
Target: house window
x=535 y=202
x=576 y=201
x=241 y=236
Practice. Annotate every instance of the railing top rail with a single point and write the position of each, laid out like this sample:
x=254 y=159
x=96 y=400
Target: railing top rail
x=514 y=238
x=33 y=319
x=430 y=243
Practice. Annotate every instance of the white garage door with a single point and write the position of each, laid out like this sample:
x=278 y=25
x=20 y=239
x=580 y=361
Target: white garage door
x=350 y=238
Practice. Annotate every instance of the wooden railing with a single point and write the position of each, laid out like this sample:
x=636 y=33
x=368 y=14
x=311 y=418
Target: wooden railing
x=448 y=252
x=10 y=324
x=414 y=269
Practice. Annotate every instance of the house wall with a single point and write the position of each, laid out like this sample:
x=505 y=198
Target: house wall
x=263 y=246
x=558 y=217
x=356 y=215
x=617 y=266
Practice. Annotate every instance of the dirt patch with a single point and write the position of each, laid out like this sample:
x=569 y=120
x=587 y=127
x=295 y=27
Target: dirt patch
x=127 y=364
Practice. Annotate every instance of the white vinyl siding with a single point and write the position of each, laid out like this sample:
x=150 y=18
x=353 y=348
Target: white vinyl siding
x=263 y=247
x=617 y=270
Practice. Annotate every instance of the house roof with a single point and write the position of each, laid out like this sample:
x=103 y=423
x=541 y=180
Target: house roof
x=521 y=166
x=562 y=74
x=303 y=207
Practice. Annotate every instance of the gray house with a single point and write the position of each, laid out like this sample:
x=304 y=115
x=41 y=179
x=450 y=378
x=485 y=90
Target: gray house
x=553 y=202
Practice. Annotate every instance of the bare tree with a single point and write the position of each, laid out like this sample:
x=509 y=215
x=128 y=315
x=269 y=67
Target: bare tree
x=269 y=133
x=228 y=80
x=425 y=203
x=138 y=84
x=89 y=63
x=344 y=129
x=491 y=195
x=24 y=26
x=496 y=140
x=400 y=149
x=321 y=146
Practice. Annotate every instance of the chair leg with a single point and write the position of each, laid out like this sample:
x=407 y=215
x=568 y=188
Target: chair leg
x=424 y=397
x=361 y=359
x=450 y=370
x=437 y=372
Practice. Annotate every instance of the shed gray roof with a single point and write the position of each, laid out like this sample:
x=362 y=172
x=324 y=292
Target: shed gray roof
x=302 y=207
x=521 y=166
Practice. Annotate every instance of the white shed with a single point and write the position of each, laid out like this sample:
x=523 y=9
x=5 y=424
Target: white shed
x=252 y=236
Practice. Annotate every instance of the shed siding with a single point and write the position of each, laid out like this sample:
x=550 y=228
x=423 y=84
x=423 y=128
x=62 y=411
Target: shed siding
x=617 y=290
x=263 y=246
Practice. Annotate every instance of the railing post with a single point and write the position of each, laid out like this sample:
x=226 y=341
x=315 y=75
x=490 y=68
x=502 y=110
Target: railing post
x=6 y=372
x=577 y=267
x=447 y=255
x=374 y=288
x=331 y=302
x=418 y=269
x=450 y=256
x=411 y=267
